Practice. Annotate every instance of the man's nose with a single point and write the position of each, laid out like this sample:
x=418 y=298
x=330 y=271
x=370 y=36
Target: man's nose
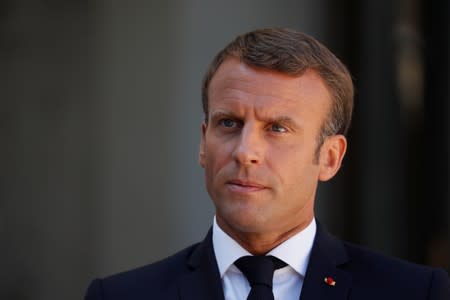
x=249 y=147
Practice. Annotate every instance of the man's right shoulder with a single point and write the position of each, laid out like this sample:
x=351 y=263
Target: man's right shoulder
x=146 y=282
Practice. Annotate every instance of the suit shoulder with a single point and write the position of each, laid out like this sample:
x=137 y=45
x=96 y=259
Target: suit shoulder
x=159 y=276
x=371 y=269
x=174 y=264
x=375 y=261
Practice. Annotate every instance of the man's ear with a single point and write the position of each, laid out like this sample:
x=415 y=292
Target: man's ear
x=331 y=154
x=201 y=154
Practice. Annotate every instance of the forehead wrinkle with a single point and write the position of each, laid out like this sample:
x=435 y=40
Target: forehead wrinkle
x=258 y=101
x=243 y=76
x=264 y=92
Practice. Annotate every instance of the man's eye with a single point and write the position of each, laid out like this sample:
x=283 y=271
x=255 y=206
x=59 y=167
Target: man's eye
x=278 y=128
x=228 y=123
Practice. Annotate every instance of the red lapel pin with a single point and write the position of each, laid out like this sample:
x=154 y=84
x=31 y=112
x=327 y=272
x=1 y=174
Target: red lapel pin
x=330 y=281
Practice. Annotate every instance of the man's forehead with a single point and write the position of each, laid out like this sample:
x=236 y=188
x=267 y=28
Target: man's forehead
x=232 y=68
x=237 y=81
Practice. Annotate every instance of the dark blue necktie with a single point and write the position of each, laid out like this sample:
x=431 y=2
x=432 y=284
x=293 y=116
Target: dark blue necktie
x=259 y=272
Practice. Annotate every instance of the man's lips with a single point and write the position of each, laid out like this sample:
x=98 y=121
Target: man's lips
x=244 y=186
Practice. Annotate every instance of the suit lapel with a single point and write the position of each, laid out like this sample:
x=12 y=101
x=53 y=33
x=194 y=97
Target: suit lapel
x=203 y=281
x=327 y=255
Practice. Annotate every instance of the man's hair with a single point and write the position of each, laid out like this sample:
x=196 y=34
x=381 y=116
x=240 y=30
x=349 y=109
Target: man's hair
x=292 y=53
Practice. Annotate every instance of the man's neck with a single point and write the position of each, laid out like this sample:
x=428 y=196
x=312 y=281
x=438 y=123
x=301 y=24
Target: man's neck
x=260 y=243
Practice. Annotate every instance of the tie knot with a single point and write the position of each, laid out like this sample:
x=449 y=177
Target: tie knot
x=259 y=269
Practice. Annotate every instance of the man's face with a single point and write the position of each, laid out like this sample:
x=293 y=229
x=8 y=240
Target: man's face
x=258 y=147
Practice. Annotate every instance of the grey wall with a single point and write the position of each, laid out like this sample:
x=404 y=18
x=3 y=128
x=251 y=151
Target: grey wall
x=45 y=113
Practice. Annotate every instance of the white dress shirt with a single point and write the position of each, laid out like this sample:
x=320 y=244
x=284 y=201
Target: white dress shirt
x=287 y=281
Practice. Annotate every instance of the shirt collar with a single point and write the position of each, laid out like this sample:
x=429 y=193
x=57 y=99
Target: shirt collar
x=226 y=249
x=295 y=251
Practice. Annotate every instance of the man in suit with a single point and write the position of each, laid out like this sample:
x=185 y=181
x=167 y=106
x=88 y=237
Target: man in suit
x=277 y=107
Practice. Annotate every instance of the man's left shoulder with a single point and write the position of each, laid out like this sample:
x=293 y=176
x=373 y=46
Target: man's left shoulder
x=372 y=269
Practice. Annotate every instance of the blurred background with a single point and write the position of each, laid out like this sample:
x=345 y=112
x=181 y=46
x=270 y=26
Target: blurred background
x=100 y=118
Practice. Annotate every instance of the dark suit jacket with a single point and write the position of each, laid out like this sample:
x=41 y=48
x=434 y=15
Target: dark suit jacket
x=358 y=273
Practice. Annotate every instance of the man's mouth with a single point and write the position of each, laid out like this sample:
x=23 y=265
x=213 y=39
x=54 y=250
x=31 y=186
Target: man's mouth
x=244 y=186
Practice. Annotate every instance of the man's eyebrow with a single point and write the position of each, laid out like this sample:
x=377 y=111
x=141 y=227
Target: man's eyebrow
x=222 y=113
x=282 y=120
